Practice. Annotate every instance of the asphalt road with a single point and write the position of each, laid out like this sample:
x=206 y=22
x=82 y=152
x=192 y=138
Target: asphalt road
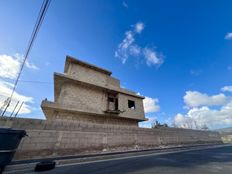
x=217 y=160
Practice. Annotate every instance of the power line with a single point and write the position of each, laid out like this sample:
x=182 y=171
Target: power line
x=32 y=81
x=39 y=21
x=38 y=24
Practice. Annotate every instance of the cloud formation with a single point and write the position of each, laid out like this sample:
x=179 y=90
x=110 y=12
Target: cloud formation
x=227 y=89
x=9 y=69
x=202 y=111
x=196 y=118
x=10 y=65
x=148 y=124
x=152 y=58
x=31 y=66
x=151 y=105
x=139 y=27
x=129 y=48
x=124 y=47
x=5 y=92
x=228 y=36
x=196 y=99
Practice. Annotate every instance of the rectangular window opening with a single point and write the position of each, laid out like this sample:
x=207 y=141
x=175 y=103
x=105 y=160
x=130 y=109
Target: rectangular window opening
x=112 y=102
x=131 y=104
x=110 y=99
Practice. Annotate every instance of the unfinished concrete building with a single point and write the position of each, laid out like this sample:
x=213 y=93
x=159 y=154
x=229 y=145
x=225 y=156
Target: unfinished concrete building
x=92 y=114
x=89 y=94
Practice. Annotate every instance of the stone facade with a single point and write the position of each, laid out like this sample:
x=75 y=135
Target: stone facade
x=53 y=138
x=226 y=137
x=85 y=89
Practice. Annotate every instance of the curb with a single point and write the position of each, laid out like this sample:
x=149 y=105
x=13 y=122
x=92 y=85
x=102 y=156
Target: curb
x=29 y=165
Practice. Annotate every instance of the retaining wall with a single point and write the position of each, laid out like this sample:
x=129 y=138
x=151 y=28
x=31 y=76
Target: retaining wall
x=52 y=138
x=226 y=137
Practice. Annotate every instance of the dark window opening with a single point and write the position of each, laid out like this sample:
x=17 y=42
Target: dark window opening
x=116 y=104
x=131 y=104
x=112 y=102
x=110 y=99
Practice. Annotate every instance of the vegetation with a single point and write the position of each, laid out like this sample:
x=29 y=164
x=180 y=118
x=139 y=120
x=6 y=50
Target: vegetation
x=158 y=125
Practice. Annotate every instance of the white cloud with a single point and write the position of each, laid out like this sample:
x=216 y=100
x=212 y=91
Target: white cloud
x=228 y=36
x=227 y=89
x=149 y=123
x=135 y=50
x=151 y=105
x=196 y=99
x=151 y=57
x=124 y=47
x=201 y=111
x=139 y=27
x=10 y=65
x=129 y=48
x=198 y=117
x=28 y=64
x=182 y=121
x=31 y=66
x=5 y=92
x=9 y=68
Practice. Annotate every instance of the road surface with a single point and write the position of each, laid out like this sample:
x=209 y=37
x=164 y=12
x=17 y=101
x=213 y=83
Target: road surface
x=216 y=161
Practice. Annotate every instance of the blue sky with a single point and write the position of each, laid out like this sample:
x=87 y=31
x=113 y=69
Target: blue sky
x=180 y=58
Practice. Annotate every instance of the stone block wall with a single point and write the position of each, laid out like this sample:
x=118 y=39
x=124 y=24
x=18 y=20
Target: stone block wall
x=96 y=120
x=137 y=113
x=54 y=138
x=95 y=101
x=92 y=76
x=83 y=99
x=226 y=137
